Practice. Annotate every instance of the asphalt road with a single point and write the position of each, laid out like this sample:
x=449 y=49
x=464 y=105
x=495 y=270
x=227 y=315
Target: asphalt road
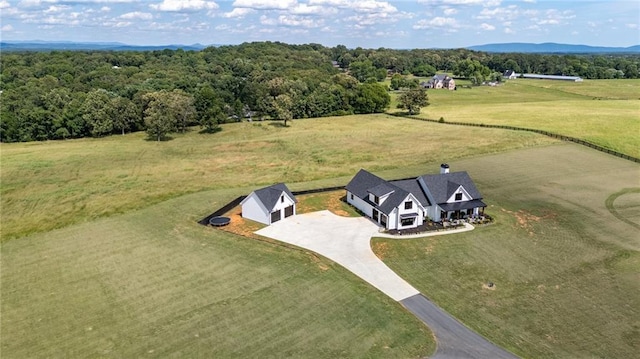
x=454 y=340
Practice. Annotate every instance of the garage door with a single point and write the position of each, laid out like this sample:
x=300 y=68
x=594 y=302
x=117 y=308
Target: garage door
x=275 y=216
x=288 y=212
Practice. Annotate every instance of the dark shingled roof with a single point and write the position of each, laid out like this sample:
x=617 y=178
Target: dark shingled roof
x=269 y=196
x=442 y=186
x=381 y=190
x=364 y=182
x=412 y=186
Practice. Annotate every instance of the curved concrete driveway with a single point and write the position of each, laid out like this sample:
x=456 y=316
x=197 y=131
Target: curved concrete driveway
x=346 y=241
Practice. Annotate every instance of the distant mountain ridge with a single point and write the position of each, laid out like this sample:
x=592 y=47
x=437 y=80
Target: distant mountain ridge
x=552 y=47
x=37 y=45
x=521 y=47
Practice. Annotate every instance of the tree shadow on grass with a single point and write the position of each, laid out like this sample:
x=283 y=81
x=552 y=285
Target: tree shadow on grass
x=162 y=139
x=207 y=131
x=278 y=124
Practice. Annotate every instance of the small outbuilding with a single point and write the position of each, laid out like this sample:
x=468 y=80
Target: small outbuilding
x=270 y=204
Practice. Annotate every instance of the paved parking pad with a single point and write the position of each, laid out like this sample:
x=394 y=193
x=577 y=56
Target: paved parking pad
x=345 y=241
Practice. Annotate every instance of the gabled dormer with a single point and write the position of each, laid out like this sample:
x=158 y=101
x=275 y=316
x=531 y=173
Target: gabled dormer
x=380 y=193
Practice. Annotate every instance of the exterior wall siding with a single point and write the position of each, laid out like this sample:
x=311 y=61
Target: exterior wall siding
x=253 y=210
x=363 y=206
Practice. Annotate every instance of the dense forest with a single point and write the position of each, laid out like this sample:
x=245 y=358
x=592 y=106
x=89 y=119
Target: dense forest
x=69 y=94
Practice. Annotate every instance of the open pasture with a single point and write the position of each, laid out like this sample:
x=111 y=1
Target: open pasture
x=604 y=112
x=154 y=284
x=48 y=185
x=563 y=253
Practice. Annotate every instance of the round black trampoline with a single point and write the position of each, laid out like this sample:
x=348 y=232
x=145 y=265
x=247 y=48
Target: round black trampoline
x=219 y=221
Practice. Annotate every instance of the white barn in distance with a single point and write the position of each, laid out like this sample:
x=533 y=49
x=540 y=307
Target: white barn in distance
x=270 y=204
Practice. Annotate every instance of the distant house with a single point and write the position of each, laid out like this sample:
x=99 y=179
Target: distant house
x=552 y=77
x=510 y=74
x=408 y=203
x=440 y=81
x=270 y=204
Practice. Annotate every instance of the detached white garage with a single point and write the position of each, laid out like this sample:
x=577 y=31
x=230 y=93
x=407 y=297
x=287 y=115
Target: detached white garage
x=270 y=204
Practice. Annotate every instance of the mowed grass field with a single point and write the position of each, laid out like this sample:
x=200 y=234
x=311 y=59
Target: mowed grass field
x=604 y=112
x=563 y=252
x=47 y=185
x=155 y=284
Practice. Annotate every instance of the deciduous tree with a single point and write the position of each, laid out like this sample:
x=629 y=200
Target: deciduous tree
x=413 y=100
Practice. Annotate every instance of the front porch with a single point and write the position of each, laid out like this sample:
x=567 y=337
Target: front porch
x=462 y=210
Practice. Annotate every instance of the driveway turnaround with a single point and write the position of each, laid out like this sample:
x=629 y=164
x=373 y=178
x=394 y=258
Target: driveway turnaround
x=346 y=241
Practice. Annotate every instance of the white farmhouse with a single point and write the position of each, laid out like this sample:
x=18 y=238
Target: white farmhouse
x=270 y=204
x=407 y=203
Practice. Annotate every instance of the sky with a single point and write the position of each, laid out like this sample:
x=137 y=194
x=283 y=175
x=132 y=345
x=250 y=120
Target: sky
x=366 y=23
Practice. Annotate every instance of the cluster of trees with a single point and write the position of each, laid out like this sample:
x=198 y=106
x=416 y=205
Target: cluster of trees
x=423 y=62
x=66 y=94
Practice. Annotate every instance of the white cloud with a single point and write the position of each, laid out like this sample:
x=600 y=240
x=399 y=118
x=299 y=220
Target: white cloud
x=137 y=15
x=238 y=12
x=55 y=8
x=507 y=30
x=304 y=9
x=7 y=28
x=184 y=5
x=4 y=4
x=105 y=9
x=548 y=22
x=299 y=21
x=485 y=3
x=264 y=20
x=373 y=6
x=450 y=11
x=632 y=26
x=266 y=4
x=369 y=6
x=436 y=22
x=487 y=27
x=500 y=13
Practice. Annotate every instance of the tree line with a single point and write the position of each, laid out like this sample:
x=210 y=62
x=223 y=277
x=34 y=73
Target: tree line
x=73 y=94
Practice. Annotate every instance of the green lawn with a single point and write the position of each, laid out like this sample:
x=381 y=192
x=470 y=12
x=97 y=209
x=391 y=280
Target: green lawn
x=154 y=283
x=563 y=254
x=48 y=185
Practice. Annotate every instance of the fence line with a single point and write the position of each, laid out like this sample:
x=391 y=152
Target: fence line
x=542 y=132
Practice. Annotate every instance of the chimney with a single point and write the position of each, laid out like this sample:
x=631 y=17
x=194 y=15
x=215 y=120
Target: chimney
x=444 y=168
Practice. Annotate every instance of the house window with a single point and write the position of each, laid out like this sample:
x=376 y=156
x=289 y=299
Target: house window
x=407 y=221
x=282 y=199
x=458 y=196
x=376 y=199
x=351 y=195
x=408 y=205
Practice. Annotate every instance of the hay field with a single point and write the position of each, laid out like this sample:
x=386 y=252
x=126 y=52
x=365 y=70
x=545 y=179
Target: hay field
x=605 y=112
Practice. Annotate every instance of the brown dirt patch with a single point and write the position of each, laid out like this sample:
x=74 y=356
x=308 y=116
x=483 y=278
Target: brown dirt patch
x=526 y=219
x=485 y=286
x=239 y=225
x=380 y=249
